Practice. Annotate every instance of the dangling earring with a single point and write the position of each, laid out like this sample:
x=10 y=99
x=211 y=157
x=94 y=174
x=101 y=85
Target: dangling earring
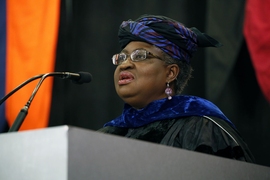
x=168 y=91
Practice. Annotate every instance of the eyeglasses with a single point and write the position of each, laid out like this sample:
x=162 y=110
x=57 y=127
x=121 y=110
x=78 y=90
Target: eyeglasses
x=135 y=56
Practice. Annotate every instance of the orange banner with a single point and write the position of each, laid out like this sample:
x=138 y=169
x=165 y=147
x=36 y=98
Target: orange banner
x=32 y=33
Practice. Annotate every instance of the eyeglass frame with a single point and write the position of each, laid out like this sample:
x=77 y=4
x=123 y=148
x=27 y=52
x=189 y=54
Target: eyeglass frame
x=126 y=56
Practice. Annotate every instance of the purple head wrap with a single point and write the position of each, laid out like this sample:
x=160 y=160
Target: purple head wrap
x=167 y=34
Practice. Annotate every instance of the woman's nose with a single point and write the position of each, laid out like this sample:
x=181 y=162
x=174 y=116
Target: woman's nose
x=128 y=63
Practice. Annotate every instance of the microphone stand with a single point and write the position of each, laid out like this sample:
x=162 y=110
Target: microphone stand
x=81 y=77
x=24 y=111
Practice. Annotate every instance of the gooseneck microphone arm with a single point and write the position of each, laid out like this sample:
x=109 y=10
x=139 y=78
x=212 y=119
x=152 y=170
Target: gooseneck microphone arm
x=19 y=87
x=24 y=111
x=79 y=78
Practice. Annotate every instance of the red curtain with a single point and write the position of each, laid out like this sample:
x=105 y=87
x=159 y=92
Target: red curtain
x=257 y=35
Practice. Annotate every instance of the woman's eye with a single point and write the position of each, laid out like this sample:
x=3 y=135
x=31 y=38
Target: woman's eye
x=138 y=56
x=121 y=57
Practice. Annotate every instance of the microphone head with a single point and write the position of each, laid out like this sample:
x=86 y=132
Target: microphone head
x=85 y=77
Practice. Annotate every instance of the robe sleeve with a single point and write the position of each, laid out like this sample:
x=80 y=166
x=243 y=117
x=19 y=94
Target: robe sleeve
x=202 y=135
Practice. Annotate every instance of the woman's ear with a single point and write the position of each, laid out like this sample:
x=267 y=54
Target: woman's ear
x=172 y=72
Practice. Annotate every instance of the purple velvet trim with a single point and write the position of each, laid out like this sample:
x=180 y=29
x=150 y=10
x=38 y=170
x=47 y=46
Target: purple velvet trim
x=163 y=109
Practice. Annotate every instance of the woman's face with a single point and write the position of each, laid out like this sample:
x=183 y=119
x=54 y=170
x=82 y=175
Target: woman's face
x=139 y=83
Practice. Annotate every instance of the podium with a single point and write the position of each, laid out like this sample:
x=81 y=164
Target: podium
x=71 y=153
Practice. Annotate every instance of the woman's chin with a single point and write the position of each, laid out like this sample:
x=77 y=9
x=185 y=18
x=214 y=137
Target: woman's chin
x=125 y=95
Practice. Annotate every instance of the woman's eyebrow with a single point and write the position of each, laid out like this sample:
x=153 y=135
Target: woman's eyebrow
x=124 y=51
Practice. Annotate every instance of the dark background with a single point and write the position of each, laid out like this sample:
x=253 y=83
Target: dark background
x=88 y=39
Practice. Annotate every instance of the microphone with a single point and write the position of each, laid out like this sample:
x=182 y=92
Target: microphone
x=78 y=78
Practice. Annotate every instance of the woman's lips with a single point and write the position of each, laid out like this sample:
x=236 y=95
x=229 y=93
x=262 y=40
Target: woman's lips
x=125 y=77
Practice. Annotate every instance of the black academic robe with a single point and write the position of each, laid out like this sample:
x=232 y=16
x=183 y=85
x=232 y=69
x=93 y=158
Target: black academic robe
x=202 y=134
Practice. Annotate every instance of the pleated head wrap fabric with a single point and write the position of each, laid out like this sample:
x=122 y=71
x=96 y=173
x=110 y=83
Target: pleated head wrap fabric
x=167 y=34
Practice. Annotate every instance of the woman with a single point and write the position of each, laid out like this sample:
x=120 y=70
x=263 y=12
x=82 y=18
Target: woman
x=152 y=70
